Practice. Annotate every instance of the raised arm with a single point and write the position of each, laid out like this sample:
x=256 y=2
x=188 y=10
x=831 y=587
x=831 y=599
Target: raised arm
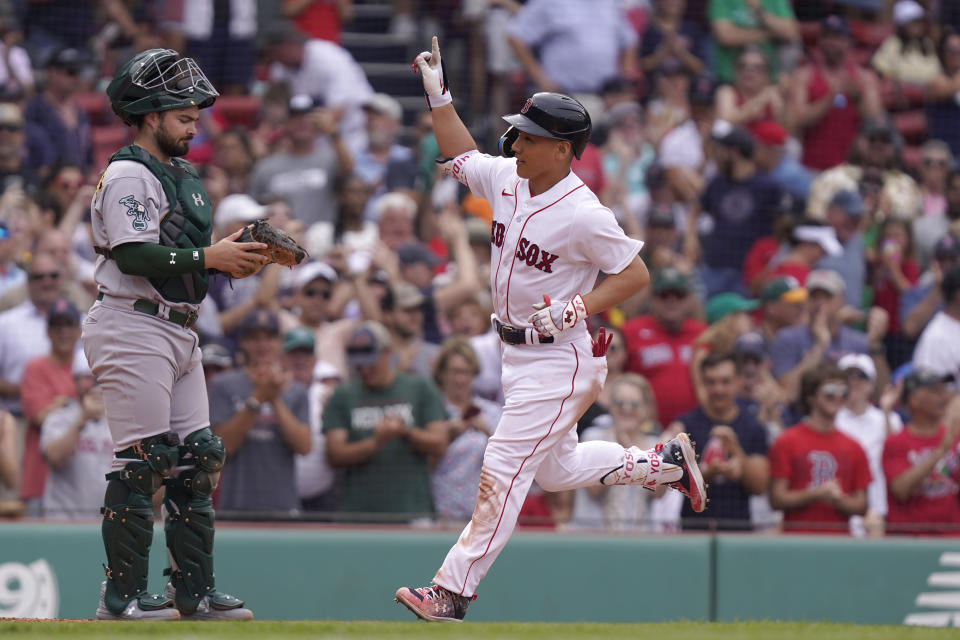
x=453 y=138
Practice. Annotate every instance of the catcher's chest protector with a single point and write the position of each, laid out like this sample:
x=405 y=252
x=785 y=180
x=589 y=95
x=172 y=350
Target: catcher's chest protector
x=187 y=224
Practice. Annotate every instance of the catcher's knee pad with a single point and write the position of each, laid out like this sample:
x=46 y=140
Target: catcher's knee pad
x=190 y=519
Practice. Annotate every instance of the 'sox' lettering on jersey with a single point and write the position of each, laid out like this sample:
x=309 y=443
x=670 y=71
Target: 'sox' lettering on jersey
x=534 y=256
x=497 y=231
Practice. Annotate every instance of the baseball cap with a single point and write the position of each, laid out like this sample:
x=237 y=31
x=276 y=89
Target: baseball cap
x=671 y=279
x=723 y=304
x=947 y=247
x=823 y=236
x=751 y=344
x=734 y=137
x=311 y=271
x=701 y=91
x=259 y=319
x=215 y=355
x=406 y=296
x=874 y=127
x=238 y=208
x=924 y=377
x=414 y=252
x=11 y=114
x=661 y=218
x=768 y=132
x=784 y=288
x=834 y=24
x=367 y=342
x=826 y=280
x=299 y=338
x=849 y=202
x=384 y=104
x=62 y=310
x=301 y=103
x=478 y=230
x=67 y=58
x=861 y=362
x=907 y=11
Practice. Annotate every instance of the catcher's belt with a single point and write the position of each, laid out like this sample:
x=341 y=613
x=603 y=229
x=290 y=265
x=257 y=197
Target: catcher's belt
x=185 y=320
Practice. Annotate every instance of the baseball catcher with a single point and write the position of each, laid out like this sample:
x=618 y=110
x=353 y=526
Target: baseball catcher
x=151 y=224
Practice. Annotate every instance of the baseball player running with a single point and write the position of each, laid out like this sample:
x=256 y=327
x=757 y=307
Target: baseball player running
x=550 y=237
x=151 y=226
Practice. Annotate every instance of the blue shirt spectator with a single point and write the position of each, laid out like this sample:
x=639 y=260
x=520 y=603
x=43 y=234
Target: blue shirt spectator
x=580 y=43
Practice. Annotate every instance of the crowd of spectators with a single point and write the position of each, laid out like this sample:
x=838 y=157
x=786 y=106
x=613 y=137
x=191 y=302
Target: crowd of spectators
x=790 y=166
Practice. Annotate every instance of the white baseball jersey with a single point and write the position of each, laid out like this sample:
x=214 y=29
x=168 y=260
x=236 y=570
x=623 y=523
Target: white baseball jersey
x=127 y=207
x=554 y=243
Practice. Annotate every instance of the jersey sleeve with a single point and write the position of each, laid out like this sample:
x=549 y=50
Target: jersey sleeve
x=596 y=237
x=130 y=203
x=483 y=174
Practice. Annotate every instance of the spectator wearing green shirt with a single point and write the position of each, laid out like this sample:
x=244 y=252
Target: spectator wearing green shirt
x=738 y=23
x=382 y=427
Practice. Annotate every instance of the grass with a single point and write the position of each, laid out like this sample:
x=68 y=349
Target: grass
x=270 y=630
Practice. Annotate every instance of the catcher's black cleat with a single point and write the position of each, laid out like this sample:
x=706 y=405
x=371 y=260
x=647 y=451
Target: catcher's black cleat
x=679 y=451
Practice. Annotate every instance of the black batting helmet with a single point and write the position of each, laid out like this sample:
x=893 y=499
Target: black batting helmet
x=549 y=115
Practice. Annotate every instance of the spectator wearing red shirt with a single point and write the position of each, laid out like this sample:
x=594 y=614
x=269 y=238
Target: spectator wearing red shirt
x=830 y=97
x=322 y=19
x=47 y=385
x=820 y=475
x=660 y=345
x=921 y=463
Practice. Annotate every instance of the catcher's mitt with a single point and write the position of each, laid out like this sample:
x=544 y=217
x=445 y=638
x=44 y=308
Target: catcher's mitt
x=281 y=247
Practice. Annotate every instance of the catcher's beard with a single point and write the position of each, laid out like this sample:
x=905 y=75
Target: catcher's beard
x=169 y=145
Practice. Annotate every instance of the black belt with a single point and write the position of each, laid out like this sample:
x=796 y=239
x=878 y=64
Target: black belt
x=185 y=320
x=516 y=335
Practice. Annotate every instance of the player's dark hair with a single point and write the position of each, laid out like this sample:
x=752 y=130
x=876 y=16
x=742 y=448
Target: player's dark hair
x=136 y=119
x=813 y=379
x=716 y=358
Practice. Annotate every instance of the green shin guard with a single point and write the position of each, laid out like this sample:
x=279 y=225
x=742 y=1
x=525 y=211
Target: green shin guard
x=190 y=525
x=127 y=534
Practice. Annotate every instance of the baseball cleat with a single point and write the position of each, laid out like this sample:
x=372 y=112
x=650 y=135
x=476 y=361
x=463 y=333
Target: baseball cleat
x=216 y=605
x=144 y=607
x=679 y=451
x=434 y=603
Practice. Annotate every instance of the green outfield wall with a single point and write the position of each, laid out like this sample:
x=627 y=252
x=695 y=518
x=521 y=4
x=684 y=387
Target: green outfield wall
x=50 y=570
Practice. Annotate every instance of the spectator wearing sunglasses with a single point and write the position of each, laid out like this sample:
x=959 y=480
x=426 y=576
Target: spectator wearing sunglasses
x=921 y=463
x=58 y=112
x=23 y=329
x=315 y=287
x=869 y=425
x=660 y=345
x=819 y=474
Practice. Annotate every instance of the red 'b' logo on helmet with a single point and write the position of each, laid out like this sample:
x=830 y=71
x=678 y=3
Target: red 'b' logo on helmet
x=526 y=105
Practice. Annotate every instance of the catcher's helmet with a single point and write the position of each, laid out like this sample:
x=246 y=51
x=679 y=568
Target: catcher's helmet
x=549 y=115
x=158 y=80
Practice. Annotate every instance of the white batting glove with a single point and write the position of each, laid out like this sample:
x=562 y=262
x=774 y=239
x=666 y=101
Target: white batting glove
x=553 y=317
x=430 y=67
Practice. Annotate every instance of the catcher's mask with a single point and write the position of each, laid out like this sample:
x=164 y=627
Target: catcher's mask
x=159 y=80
